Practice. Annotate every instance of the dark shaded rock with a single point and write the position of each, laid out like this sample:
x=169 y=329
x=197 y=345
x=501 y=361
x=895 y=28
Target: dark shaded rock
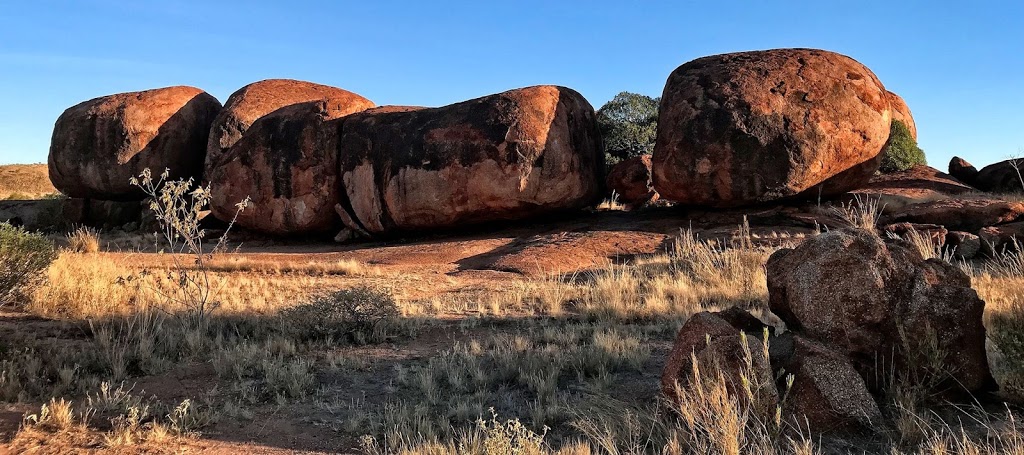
x=750 y=127
x=509 y=156
x=963 y=244
x=718 y=347
x=963 y=171
x=1002 y=177
x=100 y=144
x=880 y=303
x=933 y=232
x=631 y=180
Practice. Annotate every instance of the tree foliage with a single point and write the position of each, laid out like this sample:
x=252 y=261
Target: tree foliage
x=629 y=125
x=901 y=152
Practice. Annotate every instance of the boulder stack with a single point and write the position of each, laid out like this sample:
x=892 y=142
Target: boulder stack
x=751 y=127
x=100 y=144
x=257 y=99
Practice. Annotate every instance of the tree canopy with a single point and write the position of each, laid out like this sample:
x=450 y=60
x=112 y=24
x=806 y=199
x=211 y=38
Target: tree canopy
x=629 y=125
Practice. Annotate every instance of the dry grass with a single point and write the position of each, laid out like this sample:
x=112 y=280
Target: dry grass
x=84 y=240
x=25 y=181
x=570 y=353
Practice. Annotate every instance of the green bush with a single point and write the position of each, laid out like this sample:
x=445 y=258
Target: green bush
x=901 y=152
x=362 y=314
x=25 y=257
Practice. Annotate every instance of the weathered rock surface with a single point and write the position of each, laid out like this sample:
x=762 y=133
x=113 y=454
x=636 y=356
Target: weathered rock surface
x=827 y=392
x=963 y=244
x=257 y=99
x=1002 y=238
x=717 y=346
x=963 y=171
x=960 y=214
x=631 y=180
x=286 y=162
x=901 y=112
x=865 y=296
x=897 y=190
x=749 y=127
x=100 y=144
x=507 y=156
x=1002 y=177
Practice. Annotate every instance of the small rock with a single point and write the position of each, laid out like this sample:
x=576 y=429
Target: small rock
x=963 y=171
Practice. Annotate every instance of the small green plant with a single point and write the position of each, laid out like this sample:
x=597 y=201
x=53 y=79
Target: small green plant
x=360 y=314
x=901 y=152
x=25 y=257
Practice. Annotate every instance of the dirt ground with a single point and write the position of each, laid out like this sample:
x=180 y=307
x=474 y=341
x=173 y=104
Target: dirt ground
x=443 y=267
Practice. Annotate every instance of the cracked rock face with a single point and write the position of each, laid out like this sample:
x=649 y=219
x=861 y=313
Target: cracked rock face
x=507 y=156
x=100 y=144
x=285 y=163
x=750 y=127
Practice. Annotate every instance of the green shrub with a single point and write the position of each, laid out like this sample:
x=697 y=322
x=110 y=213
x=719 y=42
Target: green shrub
x=362 y=314
x=25 y=257
x=901 y=152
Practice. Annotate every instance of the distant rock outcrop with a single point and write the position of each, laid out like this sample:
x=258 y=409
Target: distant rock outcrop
x=750 y=127
x=507 y=156
x=100 y=144
x=631 y=181
x=963 y=171
x=1002 y=177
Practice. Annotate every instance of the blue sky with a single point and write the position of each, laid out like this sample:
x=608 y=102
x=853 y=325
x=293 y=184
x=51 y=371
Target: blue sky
x=959 y=65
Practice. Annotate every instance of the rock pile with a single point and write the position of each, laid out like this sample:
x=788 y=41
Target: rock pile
x=860 y=312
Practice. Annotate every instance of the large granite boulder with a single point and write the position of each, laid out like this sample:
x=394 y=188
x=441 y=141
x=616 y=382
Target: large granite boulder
x=257 y=99
x=901 y=112
x=507 y=156
x=750 y=127
x=100 y=144
x=882 y=305
x=286 y=163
